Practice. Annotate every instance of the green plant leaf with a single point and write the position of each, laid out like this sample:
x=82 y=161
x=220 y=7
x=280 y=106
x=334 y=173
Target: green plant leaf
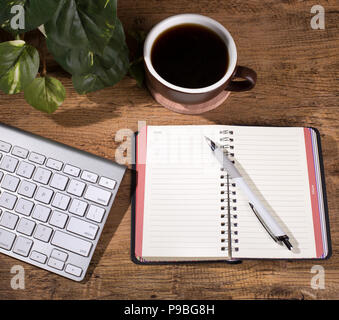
x=106 y=69
x=93 y=71
x=83 y=24
x=45 y=94
x=37 y=12
x=19 y=65
x=72 y=60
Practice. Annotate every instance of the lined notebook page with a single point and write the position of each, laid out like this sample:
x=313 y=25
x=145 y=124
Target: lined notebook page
x=273 y=162
x=182 y=195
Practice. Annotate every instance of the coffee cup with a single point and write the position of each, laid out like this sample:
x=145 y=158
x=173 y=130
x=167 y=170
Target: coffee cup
x=195 y=100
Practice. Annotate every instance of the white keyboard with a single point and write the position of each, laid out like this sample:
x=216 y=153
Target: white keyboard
x=54 y=202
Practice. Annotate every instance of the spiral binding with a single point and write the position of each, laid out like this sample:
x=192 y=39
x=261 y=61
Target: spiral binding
x=228 y=215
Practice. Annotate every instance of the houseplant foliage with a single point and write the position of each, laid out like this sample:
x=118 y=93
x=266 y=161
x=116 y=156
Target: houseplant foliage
x=84 y=36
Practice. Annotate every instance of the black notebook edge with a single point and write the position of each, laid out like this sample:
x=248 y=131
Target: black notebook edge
x=323 y=184
x=134 y=184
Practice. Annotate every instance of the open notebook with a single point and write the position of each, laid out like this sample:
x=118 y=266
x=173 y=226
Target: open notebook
x=187 y=209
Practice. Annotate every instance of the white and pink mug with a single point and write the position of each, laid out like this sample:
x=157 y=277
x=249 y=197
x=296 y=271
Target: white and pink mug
x=188 y=96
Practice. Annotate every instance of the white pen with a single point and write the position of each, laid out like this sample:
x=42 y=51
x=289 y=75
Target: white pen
x=266 y=219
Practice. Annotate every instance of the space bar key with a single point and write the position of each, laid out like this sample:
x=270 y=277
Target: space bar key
x=71 y=243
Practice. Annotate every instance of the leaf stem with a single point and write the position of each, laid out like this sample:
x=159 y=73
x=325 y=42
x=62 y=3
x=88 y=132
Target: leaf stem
x=42 y=49
x=44 y=70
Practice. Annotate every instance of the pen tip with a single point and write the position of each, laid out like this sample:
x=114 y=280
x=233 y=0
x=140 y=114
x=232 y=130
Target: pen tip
x=285 y=240
x=288 y=244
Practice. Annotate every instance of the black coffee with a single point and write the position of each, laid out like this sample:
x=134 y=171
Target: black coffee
x=190 y=56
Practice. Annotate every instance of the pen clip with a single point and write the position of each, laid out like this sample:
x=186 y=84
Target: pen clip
x=262 y=222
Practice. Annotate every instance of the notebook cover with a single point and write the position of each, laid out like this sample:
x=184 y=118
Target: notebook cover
x=133 y=215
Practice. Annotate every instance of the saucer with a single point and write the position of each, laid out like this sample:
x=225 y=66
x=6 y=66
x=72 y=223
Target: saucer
x=189 y=108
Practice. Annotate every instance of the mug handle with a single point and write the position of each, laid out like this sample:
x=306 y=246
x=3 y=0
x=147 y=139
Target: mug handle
x=248 y=74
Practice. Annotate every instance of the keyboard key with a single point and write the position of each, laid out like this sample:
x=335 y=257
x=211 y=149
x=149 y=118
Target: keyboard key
x=61 y=201
x=98 y=195
x=42 y=176
x=23 y=246
x=56 y=264
x=24 y=207
x=10 y=183
x=71 y=170
x=25 y=170
x=1 y=174
x=82 y=228
x=20 y=152
x=44 y=195
x=9 y=220
x=9 y=164
x=37 y=158
x=71 y=243
x=95 y=213
x=73 y=270
x=4 y=146
x=89 y=176
x=38 y=257
x=54 y=164
x=43 y=233
x=76 y=188
x=7 y=201
x=27 y=189
x=6 y=239
x=59 y=182
x=26 y=226
x=41 y=213
x=78 y=207
x=59 y=255
x=107 y=183
x=58 y=219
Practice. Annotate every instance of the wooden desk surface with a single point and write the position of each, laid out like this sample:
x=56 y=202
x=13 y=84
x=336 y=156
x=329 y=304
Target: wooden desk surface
x=297 y=86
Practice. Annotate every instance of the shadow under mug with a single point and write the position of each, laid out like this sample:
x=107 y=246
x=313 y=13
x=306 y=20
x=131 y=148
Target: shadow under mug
x=167 y=93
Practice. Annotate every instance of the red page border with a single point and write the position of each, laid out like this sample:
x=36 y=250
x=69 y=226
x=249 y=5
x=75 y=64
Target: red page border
x=141 y=147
